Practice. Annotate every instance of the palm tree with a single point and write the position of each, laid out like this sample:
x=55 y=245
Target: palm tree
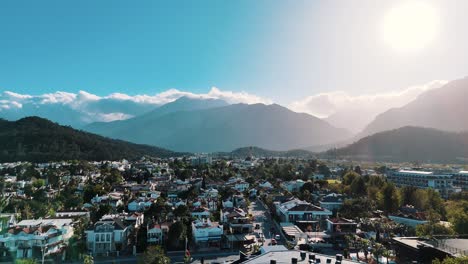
x=387 y=254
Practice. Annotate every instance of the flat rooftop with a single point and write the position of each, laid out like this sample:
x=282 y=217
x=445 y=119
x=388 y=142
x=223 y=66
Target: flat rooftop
x=285 y=257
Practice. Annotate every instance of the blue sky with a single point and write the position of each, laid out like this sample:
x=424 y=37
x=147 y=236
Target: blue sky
x=282 y=50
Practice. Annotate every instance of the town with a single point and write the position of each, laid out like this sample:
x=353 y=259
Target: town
x=218 y=209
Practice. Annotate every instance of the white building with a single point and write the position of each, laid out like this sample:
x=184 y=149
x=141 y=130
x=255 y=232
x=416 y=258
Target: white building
x=300 y=211
x=293 y=186
x=157 y=233
x=207 y=233
x=107 y=236
x=442 y=183
x=460 y=179
x=332 y=201
x=28 y=238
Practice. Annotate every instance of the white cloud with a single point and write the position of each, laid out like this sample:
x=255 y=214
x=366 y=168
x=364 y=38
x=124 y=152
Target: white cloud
x=112 y=117
x=57 y=98
x=6 y=104
x=115 y=107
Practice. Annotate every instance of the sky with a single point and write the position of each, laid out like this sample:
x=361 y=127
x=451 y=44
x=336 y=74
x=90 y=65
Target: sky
x=282 y=51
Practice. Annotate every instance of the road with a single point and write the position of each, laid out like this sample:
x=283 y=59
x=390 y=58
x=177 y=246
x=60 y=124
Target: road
x=262 y=216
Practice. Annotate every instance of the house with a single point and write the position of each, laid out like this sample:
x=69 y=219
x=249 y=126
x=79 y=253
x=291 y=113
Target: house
x=410 y=216
x=140 y=204
x=207 y=233
x=237 y=220
x=28 y=238
x=113 y=199
x=266 y=185
x=108 y=235
x=339 y=227
x=332 y=201
x=293 y=186
x=228 y=204
x=411 y=220
x=300 y=211
x=201 y=213
x=157 y=233
x=6 y=221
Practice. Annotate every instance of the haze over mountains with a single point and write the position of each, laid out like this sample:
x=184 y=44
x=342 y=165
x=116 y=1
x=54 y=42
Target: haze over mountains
x=223 y=128
x=444 y=109
x=410 y=144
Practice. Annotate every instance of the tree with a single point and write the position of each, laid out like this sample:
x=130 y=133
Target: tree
x=389 y=200
x=349 y=177
x=88 y=259
x=324 y=170
x=38 y=183
x=358 y=170
x=177 y=233
x=457 y=214
x=181 y=211
x=25 y=261
x=448 y=260
x=431 y=229
x=358 y=186
x=154 y=255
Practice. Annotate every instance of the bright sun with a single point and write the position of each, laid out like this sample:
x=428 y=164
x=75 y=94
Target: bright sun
x=411 y=26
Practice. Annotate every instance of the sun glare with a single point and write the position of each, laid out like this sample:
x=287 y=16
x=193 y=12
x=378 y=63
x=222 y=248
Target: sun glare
x=410 y=26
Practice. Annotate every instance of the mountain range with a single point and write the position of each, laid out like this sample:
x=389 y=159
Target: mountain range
x=443 y=108
x=412 y=144
x=40 y=140
x=260 y=152
x=208 y=127
x=191 y=124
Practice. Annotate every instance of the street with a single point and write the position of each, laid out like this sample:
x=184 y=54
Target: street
x=262 y=216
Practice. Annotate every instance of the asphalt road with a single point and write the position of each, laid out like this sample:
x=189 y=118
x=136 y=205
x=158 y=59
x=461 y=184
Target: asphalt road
x=262 y=216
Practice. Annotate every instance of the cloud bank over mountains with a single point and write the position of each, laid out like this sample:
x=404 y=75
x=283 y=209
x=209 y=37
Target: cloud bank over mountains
x=355 y=111
x=338 y=108
x=115 y=106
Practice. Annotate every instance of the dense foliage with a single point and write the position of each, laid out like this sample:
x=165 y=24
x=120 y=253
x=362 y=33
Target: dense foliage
x=39 y=140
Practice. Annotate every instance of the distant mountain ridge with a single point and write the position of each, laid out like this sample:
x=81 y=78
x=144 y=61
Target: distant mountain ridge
x=412 y=144
x=224 y=128
x=40 y=140
x=260 y=152
x=116 y=128
x=443 y=108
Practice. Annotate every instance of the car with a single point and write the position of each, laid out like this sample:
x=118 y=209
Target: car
x=277 y=237
x=273 y=242
x=257 y=226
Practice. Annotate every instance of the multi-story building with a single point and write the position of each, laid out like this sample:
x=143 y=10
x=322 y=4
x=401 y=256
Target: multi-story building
x=300 y=211
x=460 y=179
x=35 y=238
x=108 y=235
x=441 y=182
x=157 y=233
x=207 y=233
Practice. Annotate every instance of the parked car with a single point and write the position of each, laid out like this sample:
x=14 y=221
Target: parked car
x=277 y=237
x=257 y=226
x=273 y=241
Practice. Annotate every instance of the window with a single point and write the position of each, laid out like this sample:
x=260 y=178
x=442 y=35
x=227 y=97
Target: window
x=108 y=237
